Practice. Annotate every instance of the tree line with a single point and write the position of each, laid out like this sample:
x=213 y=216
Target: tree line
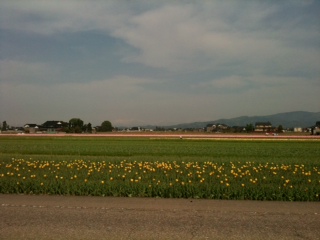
x=76 y=125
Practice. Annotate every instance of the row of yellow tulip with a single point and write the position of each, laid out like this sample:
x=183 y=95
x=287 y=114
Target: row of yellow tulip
x=227 y=180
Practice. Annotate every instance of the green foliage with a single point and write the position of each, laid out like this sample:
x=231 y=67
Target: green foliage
x=249 y=128
x=256 y=170
x=89 y=128
x=106 y=126
x=75 y=125
x=161 y=149
x=280 y=129
x=4 y=126
x=227 y=180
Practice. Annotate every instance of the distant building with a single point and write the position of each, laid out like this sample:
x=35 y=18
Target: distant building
x=263 y=127
x=210 y=127
x=198 y=130
x=316 y=129
x=54 y=126
x=135 y=129
x=216 y=127
x=31 y=128
x=297 y=129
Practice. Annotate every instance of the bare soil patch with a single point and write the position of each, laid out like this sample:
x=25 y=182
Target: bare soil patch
x=73 y=217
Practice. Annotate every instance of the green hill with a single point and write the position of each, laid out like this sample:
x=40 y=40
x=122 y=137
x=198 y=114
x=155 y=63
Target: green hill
x=287 y=120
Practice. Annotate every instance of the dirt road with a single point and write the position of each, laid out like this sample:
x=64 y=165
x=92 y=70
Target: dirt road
x=71 y=217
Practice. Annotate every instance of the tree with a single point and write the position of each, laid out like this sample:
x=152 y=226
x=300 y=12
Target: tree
x=249 y=128
x=106 y=126
x=160 y=129
x=280 y=128
x=75 y=125
x=4 y=126
x=87 y=128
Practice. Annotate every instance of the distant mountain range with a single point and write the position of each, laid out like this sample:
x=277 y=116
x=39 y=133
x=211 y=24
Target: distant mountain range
x=287 y=120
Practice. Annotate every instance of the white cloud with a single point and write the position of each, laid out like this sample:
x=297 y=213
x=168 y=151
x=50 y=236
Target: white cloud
x=181 y=62
x=176 y=36
x=186 y=38
x=52 y=17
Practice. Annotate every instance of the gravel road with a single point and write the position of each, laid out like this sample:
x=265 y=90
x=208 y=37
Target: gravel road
x=73 y=217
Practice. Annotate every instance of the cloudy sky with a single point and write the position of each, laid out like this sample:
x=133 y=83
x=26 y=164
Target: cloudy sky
x=157 y=62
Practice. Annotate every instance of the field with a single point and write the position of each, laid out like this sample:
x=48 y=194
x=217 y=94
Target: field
x=168 y=168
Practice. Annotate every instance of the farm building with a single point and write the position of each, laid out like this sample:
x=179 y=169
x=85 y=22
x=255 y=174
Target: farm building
x=297 y=129
x=263 y=127
x=31 y=128
x=54 y=126
x=316 y=129
x=216 y=127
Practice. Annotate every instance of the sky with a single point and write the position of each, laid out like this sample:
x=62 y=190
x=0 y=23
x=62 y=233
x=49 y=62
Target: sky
x=157 y=62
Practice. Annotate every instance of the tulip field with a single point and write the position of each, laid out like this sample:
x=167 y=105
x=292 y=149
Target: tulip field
x=168 y=168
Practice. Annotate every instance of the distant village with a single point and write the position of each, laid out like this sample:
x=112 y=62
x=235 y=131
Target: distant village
x=76 y=125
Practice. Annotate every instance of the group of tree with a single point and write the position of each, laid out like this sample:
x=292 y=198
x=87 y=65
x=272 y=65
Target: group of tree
x=106 y=126
x=76 y=125
x=4 y=126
